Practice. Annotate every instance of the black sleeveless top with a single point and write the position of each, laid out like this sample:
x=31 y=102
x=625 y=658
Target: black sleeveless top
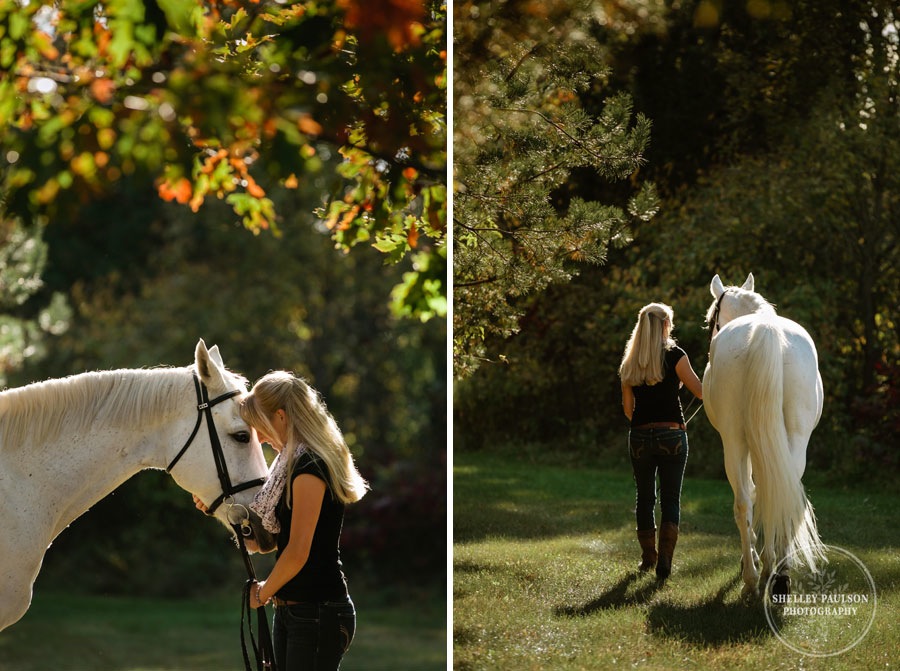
x=660 y=402
x=322 y=577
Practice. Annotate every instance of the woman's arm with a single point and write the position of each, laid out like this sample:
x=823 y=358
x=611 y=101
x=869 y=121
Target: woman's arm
x=628 y=400
x=308 y=492
x=687 y=375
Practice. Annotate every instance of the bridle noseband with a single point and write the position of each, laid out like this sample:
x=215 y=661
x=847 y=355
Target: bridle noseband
x=204 y=408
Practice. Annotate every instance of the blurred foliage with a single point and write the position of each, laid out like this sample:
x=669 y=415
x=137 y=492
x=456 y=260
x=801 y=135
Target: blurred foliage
x=228 y=100
x=140 y=142
x=161 y=279
x=24 y=327
x=776 y=150
x=521 y=128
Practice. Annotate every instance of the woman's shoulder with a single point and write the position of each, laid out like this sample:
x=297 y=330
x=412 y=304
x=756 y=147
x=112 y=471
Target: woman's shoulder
x=674 y=353
x=309 y=462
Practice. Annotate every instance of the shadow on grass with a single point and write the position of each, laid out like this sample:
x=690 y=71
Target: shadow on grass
x=714 y=621
x=616 y=596
x=711 y=622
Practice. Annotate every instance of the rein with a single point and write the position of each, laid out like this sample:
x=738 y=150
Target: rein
x=262 y=650
x=699 y=408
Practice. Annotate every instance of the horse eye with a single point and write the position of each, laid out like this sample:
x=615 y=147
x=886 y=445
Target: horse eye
x=241 y=436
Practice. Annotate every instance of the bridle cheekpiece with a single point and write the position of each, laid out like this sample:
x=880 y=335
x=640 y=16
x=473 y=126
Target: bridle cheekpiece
x=204 y=408
x=713 y=322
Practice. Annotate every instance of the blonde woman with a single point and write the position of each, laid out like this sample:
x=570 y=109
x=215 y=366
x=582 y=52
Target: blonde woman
x=652 y=371
x=311 y=480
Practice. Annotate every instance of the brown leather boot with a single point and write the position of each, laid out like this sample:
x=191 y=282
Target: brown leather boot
x=647 y=539
x=668 y=537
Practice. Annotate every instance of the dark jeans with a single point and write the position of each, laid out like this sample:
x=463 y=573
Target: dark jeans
x=313 y=636
x=664 y=451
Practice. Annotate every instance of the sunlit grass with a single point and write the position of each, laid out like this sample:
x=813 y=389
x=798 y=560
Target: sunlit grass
x=544 y=576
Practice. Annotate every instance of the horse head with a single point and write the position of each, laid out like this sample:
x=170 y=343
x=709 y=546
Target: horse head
x=731 y=302
x=224 y=477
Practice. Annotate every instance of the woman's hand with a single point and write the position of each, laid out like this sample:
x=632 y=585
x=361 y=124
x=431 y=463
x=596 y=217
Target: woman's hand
x=200 y=505
x=257 y=597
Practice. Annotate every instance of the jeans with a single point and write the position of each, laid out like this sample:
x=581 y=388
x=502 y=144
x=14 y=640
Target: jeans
x=664 y=451
x=313 y=636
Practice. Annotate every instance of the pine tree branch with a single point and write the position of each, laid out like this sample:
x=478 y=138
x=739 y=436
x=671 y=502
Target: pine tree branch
x=559 y=128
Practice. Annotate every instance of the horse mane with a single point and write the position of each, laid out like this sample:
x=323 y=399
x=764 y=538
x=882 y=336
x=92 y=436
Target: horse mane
x=39 y=412
x=749 y=302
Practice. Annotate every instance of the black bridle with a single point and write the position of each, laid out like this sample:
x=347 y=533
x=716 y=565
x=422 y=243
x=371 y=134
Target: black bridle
x=265 y=660
x=714 y=320
x=204 y=409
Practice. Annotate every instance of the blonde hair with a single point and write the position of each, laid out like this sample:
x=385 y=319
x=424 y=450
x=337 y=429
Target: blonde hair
x=310 y=425
x=645 y=352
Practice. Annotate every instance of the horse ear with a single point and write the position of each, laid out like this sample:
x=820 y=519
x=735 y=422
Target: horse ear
x=216 y=356
x=716 y=288
x=209 y=365
x=748 y=283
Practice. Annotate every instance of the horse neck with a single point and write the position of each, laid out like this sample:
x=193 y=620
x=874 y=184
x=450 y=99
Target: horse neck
x=747 y=303
x=62 y=476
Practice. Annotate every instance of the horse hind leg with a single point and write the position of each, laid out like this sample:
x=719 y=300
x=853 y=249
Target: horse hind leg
x=737 y=468
x=743 y=517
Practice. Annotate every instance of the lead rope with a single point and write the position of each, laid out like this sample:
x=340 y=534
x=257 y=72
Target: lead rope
x=262 y=651
x=699 y=408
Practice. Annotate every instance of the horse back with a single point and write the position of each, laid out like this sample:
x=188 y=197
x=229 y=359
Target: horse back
x=727 y=371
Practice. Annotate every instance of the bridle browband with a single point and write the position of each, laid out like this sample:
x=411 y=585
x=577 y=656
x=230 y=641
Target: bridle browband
x=204 y=408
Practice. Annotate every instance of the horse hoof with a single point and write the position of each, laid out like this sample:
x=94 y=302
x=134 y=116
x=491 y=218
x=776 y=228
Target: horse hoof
x=749 y=594
x=781 y=585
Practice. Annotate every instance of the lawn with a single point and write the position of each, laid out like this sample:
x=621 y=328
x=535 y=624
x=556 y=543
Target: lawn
x=78 y=633
x=544 y=578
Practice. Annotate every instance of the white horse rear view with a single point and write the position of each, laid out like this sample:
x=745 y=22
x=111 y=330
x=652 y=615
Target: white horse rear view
x=763 y=394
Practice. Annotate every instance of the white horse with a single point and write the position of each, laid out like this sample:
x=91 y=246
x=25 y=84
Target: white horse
x=763 y=394
x=65 y=444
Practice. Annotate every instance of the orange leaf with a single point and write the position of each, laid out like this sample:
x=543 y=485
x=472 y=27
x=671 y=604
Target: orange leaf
x=102 y=89
x=348 y=218
x=291 y=182
x=254 y=189
x=413 y=236
x=179 y=192
x=196 y=202
x=104 y=37
x=44 y=43
x=308 y=125
x=410 y=174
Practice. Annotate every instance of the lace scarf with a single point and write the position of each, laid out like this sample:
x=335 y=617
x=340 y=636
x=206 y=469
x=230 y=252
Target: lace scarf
x=266 y=500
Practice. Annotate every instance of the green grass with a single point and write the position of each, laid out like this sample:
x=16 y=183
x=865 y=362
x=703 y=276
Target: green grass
x=544 y=578
x=78 y=633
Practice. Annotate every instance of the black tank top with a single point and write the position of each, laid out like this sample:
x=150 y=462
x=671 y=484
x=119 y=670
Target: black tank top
x=660 y=402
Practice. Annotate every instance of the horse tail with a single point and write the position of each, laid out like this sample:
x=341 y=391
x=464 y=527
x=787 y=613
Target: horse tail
x=784 y=512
